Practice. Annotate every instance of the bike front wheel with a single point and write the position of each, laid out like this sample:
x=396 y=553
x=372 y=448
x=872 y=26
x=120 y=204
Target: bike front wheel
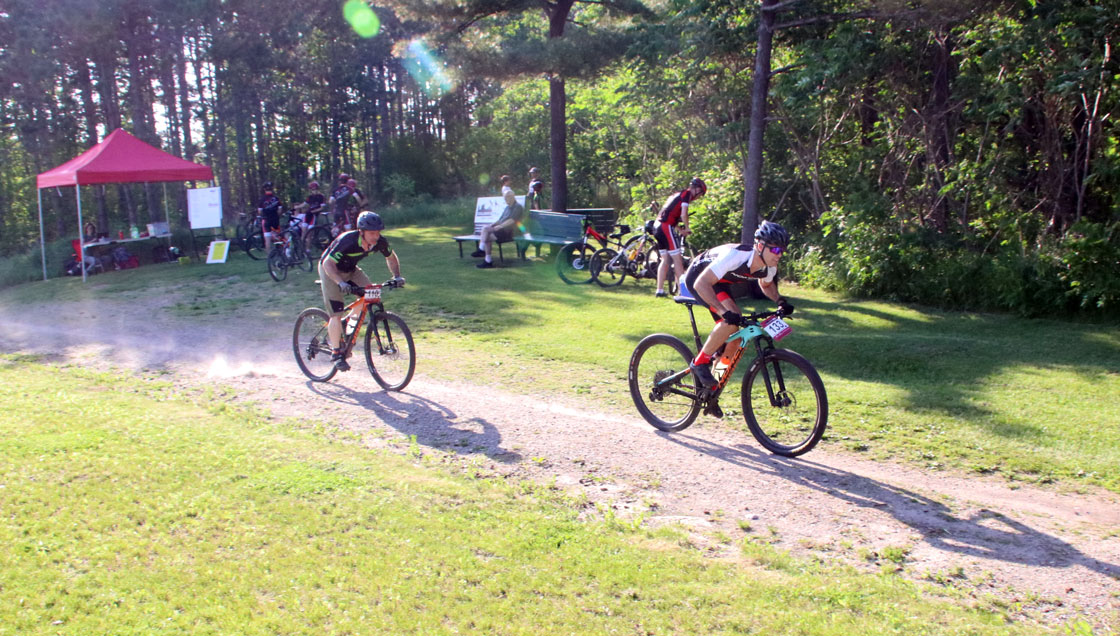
x=607 y=268
x=311 y=345
x=661 y=385
x=299 y=253
x=390 y=353
x=573 y=263
x=318 y=238
x=277 y=264
x=251 y=238
x=784 y=403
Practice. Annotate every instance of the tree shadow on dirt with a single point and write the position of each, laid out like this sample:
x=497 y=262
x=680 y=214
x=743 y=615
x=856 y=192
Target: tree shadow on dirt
x=983 y=534
x=433 y=424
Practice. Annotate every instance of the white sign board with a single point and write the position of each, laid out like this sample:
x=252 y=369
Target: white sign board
x=488 y=209
x=204 y=208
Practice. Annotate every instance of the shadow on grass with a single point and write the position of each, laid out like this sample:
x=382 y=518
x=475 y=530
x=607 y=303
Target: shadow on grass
x=984 y=534
x=433 y=424
x=940 y=360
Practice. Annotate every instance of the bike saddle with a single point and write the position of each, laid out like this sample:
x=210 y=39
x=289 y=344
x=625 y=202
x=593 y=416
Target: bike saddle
x=688 y=300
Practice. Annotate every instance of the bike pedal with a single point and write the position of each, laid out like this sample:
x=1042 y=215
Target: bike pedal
x=714 y=410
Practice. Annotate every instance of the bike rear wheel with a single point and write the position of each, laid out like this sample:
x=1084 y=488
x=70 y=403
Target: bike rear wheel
x=277 y=263
x=390 y=353
x=786 y=408
x=573 y=263
x=607 y=269
x=251 y=239
x=668 y=407
x=318 y=238
x=311 y=345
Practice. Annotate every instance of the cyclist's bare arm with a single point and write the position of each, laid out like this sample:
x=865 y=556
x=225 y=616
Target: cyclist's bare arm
x=331 y=269
x=705 y=290
x=394 y=264
x=770 y=289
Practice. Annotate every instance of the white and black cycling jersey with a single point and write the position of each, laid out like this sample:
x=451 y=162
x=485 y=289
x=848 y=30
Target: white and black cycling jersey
x=731 y=262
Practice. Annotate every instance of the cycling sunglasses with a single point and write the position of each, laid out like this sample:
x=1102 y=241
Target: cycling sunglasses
x=774 y=249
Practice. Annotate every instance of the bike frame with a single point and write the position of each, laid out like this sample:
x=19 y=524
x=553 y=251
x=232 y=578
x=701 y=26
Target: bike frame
x=762 y=343
x=362 y=305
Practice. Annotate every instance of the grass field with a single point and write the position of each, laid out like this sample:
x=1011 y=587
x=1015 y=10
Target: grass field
x=216 y=520
x=210 y=517
x=1032 y=400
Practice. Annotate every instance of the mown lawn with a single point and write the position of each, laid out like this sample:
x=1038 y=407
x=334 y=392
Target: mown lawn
x=130 y=507
x=1032 y=400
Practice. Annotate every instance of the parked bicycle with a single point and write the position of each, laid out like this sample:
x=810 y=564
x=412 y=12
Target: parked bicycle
x=389 y=350
x=573 y=262
x=783 y=397
x=288 y=251
x=609 y=267
x=250 y=236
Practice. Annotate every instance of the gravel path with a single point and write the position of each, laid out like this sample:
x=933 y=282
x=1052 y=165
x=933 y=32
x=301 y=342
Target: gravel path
x=1050 y=554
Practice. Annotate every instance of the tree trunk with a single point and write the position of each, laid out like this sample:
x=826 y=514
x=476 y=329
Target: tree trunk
x=752 y=170
x=558 y=112
x=85 y=88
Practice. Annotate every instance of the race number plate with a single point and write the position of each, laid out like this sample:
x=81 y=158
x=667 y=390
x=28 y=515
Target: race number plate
x=373 y=293
x=776 y=328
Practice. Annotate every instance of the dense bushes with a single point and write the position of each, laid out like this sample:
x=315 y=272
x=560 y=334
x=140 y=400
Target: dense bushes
x=1076 y=273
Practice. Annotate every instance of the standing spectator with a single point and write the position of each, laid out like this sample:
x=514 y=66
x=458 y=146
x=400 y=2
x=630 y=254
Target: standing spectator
x=314 y=203
x=357 y=201
x=674 y=212
x=534 y=199
x=502 y=229
x=269 y=210
x=340 y=201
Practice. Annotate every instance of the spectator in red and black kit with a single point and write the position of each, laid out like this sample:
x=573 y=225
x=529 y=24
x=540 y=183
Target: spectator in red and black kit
x=357 y=199
x=315 y=202
x=269 y=209
x=674 y=212
x=340 y=201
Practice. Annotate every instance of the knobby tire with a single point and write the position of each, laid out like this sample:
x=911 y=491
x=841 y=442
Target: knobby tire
x=311 y=346
x=657 y=357
x=797 y=423
x=390 y=352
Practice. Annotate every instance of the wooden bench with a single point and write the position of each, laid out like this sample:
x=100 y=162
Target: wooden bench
x=560 y=228
x=486 y=211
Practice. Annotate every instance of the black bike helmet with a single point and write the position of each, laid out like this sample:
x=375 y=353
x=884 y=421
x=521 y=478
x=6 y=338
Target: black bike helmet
x=267 y=186
x=697 y=182
x=772 y=234
x=370 y=221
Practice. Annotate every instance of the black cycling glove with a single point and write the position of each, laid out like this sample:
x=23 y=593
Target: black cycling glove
x=350 y=288
x=732 y=318
x=784 y=308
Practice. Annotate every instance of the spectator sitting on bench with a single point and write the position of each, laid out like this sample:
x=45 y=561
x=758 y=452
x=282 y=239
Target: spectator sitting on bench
x=502 y=229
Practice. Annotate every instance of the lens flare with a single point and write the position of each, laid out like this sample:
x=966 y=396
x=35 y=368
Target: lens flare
x=361 y=18
x=426 y=69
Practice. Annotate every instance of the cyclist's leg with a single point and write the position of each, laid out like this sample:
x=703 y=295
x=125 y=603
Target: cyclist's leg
x=334 y=304
x=722 y=330
x=664 y=246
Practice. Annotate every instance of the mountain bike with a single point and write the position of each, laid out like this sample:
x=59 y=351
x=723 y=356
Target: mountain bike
x=783 y=397
x=573 y=262
x=390 y=353
x=609 y=267
x=287 y=252
x=250 y=236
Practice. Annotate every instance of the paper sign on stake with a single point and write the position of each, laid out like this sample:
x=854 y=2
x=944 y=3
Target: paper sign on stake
x=219 y=251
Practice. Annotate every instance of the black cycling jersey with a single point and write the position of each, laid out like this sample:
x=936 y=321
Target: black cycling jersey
x=346 y=250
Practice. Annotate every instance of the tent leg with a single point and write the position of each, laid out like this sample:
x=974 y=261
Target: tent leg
x=81 y=238
x=42 y=240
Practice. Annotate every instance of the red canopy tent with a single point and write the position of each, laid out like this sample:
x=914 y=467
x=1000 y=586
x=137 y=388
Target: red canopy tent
x=119 y=158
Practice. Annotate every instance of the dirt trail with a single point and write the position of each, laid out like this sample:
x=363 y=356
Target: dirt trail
x=1054 y=554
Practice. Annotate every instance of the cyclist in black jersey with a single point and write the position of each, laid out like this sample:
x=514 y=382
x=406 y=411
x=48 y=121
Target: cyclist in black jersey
x=340 y=275
x=269 y=210
x=729 y=271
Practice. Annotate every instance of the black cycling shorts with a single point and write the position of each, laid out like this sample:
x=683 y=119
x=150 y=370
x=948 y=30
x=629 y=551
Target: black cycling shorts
x=738 y=289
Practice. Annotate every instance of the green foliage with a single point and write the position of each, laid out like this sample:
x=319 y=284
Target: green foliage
x=1090 y=254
